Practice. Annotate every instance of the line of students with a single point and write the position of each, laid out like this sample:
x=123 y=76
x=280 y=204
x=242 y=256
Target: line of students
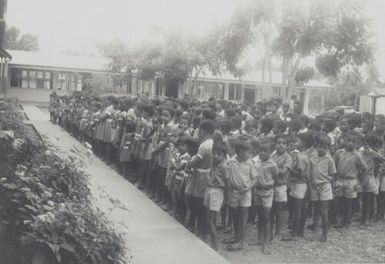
x=197 y=160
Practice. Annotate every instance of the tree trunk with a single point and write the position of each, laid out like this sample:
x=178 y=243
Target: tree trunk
x=284 y=78
x=293 y=72
x=195 y=89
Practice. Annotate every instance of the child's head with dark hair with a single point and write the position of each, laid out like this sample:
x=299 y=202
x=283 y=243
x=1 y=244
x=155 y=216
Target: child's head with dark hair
x=182 y=145
x=220 y=151
x=229 y=112
x=184 y=122
x=177 y=115
x=279 y=127
x=367 y=126
x=196 y=121
x=254 y=147
x=242 y=149
x=206 y=128
x=267 y=125
x=343 y=124
x=322 y=143
x=251 y=127
x=314 y=124
x=197 y=111
x=209 y=113
x=262 y=107
x=280 y=144
x=294 y=143
x=379 y=124
x=265 y=148
x=304 y=121
x=366 y=116
x=351 y=140
x=184 y=105
x=373 y=140
x=167 y=114
x=307 y=139
x=236 y=122
x=148 y=110
x=328 y=125
x=224 y=126
x=294 y=125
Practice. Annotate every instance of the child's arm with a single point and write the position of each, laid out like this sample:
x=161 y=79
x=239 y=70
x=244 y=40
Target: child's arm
x=254 y=180
x=181 y=166
x=160 y=148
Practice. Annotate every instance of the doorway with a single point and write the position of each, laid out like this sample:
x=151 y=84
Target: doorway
x=249 y=96
x=172 y=88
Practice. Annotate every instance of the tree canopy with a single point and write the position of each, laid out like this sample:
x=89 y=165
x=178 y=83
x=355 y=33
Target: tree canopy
x=13 y=40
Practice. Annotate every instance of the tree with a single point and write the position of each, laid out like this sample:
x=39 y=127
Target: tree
x=333 y=32
x=13 y=40
x=28 y=42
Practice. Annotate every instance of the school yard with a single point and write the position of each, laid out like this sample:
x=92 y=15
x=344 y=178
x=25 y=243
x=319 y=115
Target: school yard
x=152 y=236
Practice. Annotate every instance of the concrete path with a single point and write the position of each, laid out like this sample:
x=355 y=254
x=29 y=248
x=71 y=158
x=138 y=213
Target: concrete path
x=151 y=235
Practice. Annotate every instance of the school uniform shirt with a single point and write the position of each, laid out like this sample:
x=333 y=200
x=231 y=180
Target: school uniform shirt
x=181 y=159
x=200 y=176
x=145 y=133
x=164 y=155
x=109 y=113
x=321 y=169
x=372 y=159
x=282 y=161
x=240 y=174
x=349 y=164
x=266 y=173
x=301 y=164
x=218 y=176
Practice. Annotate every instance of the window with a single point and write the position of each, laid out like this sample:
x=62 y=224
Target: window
x=238 y=91
x=259 y=94
x=73 y=82
x=16 y=77
x=24 y=80
x=79 y=84
x=235 y=91
x=32 y=80
x=231 y=91
x=276 y=91
x=212 y=89
x=47 y=80
x=40 y=79
x=62 y=81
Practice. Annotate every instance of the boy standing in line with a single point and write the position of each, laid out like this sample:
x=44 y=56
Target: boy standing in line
x=322 y=172
x=267 y=171
x=215 y=192
x=284 y=162
x=201 y=164
x=242 y=174
x=349 y=165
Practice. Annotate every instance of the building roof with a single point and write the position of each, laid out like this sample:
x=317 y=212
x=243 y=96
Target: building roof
x=257 y=77
x=5 y=54
x=377 y=92
x=60 y=61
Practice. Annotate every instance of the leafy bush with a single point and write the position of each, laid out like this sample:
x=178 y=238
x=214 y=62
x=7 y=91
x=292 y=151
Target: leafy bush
x=45 y=202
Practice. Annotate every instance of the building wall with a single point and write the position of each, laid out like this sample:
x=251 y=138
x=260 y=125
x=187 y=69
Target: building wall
x=40 y=96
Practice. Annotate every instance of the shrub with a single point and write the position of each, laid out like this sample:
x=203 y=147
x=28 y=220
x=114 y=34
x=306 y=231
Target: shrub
x=45 y=202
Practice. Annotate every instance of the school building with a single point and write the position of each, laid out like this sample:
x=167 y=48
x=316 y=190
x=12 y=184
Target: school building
x=32 y=76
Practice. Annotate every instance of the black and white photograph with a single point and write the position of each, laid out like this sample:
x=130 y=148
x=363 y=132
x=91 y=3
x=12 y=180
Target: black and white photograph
x=192 y=131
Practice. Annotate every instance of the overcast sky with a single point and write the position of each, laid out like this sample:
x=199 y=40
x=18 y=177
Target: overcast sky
x=80 y=24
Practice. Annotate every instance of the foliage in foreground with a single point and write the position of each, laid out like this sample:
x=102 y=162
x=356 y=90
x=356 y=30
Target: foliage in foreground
x=45 y=202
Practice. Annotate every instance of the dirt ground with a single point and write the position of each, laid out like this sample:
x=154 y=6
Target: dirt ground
x=354 y=245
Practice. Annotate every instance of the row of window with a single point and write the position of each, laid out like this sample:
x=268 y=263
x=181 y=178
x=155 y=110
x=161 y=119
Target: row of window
x=35 y=79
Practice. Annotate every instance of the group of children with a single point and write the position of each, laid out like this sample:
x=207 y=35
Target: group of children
x=200 y=160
